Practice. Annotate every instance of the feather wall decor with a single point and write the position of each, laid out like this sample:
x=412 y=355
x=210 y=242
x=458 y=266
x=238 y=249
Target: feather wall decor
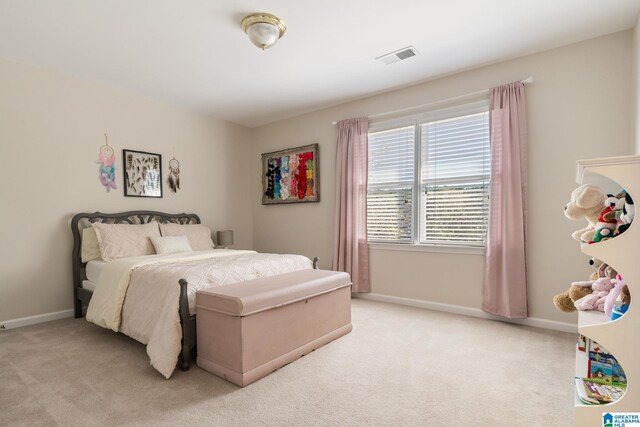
x=142 y=174
x=174 y=175
x=107 y=169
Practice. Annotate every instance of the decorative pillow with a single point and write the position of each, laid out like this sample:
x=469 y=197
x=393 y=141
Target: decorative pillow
x=171 y=244
x=89 y=248
x=199 y=235
x=125 y=240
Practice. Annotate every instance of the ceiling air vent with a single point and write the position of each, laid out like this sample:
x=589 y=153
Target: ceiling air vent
x=398 y=55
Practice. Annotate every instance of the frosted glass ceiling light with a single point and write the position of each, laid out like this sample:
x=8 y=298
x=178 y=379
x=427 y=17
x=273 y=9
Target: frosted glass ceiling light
x=263 y=29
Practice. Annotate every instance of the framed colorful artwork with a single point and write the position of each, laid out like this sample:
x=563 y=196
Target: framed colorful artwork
x=142 y=174
x=291 y=176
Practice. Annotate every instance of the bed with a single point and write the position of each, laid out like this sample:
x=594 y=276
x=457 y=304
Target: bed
x=85 y=273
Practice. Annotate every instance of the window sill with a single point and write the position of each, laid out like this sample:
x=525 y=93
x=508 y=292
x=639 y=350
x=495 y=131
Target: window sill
x=427 y=248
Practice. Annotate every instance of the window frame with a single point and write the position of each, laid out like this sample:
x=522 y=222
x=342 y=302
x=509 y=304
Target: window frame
x=417 y=120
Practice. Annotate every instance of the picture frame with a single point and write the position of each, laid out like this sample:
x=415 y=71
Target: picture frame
x=281 y=186
x=142 y=173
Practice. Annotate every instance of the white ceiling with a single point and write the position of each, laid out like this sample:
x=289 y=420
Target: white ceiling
x=193 y=52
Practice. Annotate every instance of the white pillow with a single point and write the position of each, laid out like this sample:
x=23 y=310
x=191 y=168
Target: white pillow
x=171 y=244
x=125 y=240
x=89 y=248
x=199 y=235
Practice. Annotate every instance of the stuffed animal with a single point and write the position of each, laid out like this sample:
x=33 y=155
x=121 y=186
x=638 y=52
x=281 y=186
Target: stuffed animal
x=595 y=300
x=628 y=213
x=602 y=269
x=587 y=201
x=607 y=222
x=566 y=300
x=620 y=289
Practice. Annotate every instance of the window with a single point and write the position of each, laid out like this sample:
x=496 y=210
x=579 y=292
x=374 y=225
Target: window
x=429 y=178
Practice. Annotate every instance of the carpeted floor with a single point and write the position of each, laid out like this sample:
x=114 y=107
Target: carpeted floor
x=399 y=366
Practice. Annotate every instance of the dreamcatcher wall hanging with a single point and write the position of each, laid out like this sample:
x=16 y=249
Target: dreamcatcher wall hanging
x=107 y=169
x=174 y=175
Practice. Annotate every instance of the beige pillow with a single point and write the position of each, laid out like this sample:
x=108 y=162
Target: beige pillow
x=199 y=235
x=125 y=240
x=171 y=244
x=89 y=248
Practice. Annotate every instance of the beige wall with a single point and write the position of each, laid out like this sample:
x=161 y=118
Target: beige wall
x=51 y=128
x=579 y=106
x=636 y=82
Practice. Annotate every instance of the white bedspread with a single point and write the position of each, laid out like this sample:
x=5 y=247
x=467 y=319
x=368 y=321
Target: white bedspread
x=140 y=296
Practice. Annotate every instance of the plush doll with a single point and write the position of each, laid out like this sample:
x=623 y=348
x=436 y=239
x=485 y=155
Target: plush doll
x=595 y=300
x=587 y=201
x=566 y=300
x=620 y=289
x=628 y=213
x=618 y=311
x=602 y=269
x=607 y=222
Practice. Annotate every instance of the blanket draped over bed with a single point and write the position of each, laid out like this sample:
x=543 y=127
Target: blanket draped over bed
x=140 y=296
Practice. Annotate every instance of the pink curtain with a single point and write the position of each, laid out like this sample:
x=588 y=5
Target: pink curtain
x=505 y=281
x=350 y=251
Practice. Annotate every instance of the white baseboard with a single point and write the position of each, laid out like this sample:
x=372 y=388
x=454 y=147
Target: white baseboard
x=469 y=311
x=33 y=320
x=430 y=305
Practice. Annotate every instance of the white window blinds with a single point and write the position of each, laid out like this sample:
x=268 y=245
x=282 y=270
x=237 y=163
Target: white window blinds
x=454 y=189
x=429 y=178
x=390 y=185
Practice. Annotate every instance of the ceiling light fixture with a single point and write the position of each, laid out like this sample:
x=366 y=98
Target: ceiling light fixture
x=263 y=29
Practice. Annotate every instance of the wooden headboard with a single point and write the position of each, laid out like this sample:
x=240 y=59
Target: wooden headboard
x=85 y=219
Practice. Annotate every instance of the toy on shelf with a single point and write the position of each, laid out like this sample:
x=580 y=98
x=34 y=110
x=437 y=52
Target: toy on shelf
x=619 y=311
x=587 y=201
x=595 y=300
x=602 y=269
x=607 y=220
x=628 y=213
x=566 y=301
x=621 y=290
x=608 y=215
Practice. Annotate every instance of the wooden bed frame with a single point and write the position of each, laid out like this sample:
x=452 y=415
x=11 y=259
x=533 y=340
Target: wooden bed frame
x=82 y=296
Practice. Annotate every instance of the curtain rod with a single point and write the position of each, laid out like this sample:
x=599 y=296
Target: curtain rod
x=528 y=80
